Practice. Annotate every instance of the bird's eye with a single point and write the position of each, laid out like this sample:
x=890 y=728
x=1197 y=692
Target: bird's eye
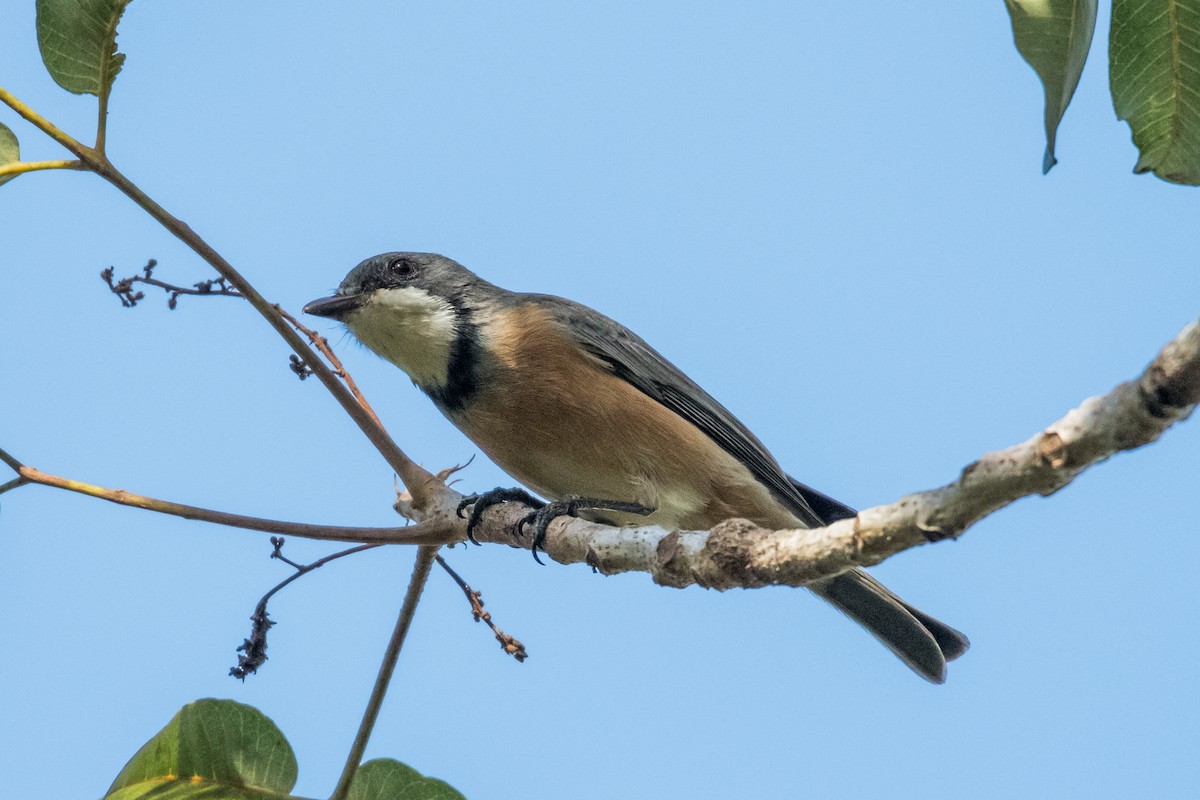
x=402 y=268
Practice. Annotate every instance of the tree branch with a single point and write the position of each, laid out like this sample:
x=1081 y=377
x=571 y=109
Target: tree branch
x=13 y=463
x=21 y=167
x=254 y=650
x=15 y=483
x=416 y=584
x=432 y=532
x=123 y=287
x=737 y=553
x=41 y=123
x=508 y=644
x=427 y=489
x=424 y=486
x=322 y=344
x=421 y=482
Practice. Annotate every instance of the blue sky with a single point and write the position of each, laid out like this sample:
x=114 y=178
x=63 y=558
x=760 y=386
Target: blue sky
x=830 y=215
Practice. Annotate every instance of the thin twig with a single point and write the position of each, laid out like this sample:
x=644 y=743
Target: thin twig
x=430 y=532
x=21 y=167
x=322 y=344
x=41 y=123
x=420 y=482
x=254 y=649
x=12 y=462
x=425 y=558
x=509 y=644
x=15 y=483
x=277 y=553
x=425 y=488
x=123 y=287
x=102 y=117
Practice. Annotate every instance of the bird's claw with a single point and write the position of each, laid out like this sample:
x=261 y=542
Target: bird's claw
x=570 y=507
x=482 y=502
x=458 y=512
x=466 y=501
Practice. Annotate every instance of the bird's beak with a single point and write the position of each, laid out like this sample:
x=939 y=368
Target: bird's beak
x=337 y=306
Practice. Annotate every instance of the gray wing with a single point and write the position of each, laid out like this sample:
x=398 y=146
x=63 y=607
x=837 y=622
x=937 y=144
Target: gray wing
x=921 y=641
x=631 y=359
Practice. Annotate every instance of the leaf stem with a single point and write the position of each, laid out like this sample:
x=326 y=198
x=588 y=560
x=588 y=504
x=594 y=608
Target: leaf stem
x=425 y=557
x=20 y=167
x=102 y=121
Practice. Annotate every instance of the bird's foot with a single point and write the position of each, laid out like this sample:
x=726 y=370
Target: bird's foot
x=482 y=502
x=570 y=507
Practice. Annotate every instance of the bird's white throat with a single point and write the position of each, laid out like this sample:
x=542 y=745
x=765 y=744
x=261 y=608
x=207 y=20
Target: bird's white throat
x=411 y=328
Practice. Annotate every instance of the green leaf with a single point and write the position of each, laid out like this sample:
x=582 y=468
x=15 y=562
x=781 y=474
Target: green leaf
x=212 y=749
x=388 y=779
x=10 y=150
x=78 y=40
x=1154 y=55
x=222 y=750
x=191 y=790
x=1054 y=36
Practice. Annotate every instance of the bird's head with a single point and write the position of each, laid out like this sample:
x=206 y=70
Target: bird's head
x=413 y=309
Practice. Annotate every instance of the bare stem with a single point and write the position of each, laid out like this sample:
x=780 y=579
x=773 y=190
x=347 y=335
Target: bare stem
x=421 y=483
x=322 y=344
x=41 y=123
x=21 y=167
x=123 y=287
x=102 y=119
x=431 y=533
x=415 y=478
x=12 y=462
x=416 y=585
x=13 y=484
x=254 y=649
x=509 y=644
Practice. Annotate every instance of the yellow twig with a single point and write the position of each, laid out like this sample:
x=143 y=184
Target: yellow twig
x=20 y=167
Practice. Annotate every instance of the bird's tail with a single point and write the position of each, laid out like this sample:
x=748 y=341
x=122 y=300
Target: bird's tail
x=921 y=641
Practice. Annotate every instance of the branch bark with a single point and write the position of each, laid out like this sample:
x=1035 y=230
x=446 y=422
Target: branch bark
x=434 y=531
x=737 y=553
x=420 y=481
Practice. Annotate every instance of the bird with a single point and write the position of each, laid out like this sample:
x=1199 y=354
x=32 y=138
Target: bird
x=581 y=410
